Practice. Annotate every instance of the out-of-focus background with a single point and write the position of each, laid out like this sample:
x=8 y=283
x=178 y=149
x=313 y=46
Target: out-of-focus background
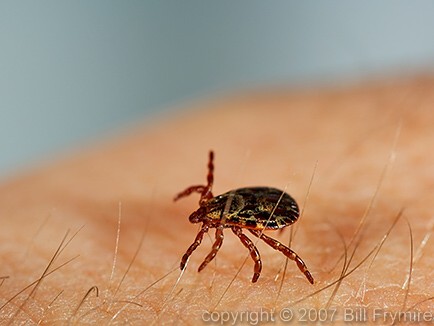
x=73 y=71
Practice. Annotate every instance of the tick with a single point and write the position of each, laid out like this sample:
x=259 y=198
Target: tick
x=255 y=209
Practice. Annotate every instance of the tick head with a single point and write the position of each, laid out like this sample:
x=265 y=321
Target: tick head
x=198 y=216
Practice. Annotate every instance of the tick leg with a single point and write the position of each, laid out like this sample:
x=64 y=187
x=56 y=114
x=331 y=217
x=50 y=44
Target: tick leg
x=194 y=245
x=205 y=191
x=215 y=248
x=253 y=252
x=188 y=191
x=286 y=251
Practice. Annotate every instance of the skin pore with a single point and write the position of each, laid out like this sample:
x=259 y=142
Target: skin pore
x=351 y=155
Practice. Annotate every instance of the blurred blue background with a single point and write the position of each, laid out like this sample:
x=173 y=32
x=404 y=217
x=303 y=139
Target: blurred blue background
x=71 y=71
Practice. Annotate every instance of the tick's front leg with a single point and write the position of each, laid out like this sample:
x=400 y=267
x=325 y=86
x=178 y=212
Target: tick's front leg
x=188 y=191
x=215 y=248
x=194 y=245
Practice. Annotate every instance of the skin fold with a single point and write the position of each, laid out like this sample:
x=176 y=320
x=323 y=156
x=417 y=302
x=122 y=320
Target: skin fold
x=367 y=149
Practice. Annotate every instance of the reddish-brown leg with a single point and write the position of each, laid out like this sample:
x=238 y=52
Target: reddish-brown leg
x=286 y=251
x=207 y=194
x=195 y=244
x=215 y=248
x=205 y=191
x=254 y=253
x=188 y=191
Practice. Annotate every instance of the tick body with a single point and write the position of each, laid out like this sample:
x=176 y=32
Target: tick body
x=255 y=209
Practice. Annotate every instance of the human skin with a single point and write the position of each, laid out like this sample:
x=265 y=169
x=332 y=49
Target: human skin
x=354 y=158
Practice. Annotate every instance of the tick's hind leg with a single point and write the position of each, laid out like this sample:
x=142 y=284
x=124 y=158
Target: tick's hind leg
x=253 y=252
x=286 y=251
x=194 y=245
x=215 y=248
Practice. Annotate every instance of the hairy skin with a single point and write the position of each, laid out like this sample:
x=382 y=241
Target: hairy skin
x=268 y=138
